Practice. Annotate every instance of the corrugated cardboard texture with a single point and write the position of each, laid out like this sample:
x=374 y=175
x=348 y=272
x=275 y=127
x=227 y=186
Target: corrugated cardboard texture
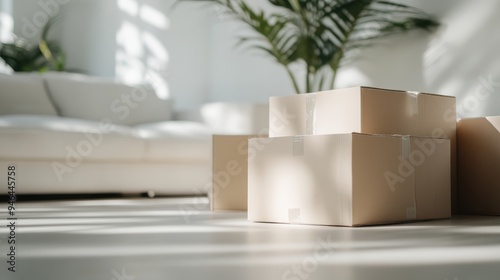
x=479 y=165
x=229 y=177
x=371 y=111
x=349 y=180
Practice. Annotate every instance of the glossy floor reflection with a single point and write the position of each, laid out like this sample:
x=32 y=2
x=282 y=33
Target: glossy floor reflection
x=143 y=239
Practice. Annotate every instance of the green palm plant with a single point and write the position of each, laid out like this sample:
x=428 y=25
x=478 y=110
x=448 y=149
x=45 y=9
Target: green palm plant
x=22 y=56
x=321 y=35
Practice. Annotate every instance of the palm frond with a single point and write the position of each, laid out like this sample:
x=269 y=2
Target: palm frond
x=20 y=55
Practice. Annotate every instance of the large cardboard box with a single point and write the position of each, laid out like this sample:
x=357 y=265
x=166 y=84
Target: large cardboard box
x=349 y=180
x=367 y=110
x=479 y=165
x=229 y=177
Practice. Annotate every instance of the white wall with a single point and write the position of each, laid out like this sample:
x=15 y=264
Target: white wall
x=460 y=59
x=202 y=64
x=456 y=60
x=133 y=40
x=241 y=73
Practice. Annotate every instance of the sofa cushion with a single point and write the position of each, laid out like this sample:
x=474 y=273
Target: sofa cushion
x=48 y=137
x=94 y=98
x=177 y=140
x=24 y=94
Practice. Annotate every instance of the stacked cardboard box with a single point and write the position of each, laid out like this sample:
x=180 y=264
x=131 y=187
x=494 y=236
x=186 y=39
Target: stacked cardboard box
x=229 y=171
x=356 y=156
x=478 y=166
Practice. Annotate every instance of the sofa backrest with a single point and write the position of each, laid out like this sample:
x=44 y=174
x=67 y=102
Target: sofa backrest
x=24 y=94
x=95 y=98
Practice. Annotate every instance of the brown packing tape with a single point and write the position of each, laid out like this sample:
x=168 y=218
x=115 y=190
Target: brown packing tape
x=310 y=113
x=405 y=146
x=298 y=146
x=414 y=102
x=294 y=215
x=411 y=211
x=413 y=98
x=297 y=150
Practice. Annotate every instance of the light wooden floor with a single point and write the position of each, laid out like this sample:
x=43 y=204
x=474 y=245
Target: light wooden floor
x=145 y=239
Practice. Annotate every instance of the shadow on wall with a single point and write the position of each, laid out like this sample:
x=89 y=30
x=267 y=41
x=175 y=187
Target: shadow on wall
x=459 y=59
x=470 y=66
x=395 y=63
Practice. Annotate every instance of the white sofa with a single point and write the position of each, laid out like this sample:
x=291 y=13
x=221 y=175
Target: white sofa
x=70 y=133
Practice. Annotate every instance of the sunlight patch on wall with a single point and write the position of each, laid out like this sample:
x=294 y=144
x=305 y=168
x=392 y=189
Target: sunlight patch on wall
x=155 y=48
x=352 y=76
x=128 y=38
x=141 y=57
x=129 y=66
x=154 y=17
x=130 y=7
x=159 y=84
x=454 y=63
x=128 y=69
x=6 y=29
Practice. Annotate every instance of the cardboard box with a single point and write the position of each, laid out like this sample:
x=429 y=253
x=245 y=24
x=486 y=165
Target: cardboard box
x=349 y=180
x=479 y=165
x=230 y=169
x=367 y=110
x=363 y=110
